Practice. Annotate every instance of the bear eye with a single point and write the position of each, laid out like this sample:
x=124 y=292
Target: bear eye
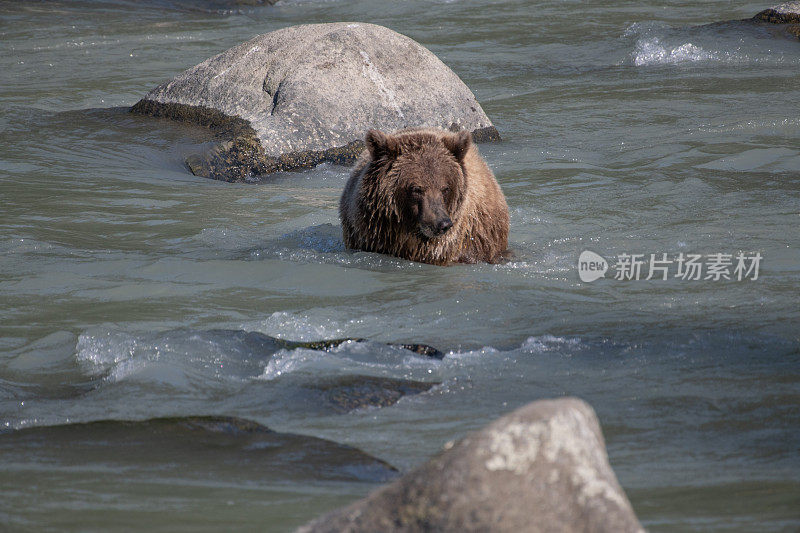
x=417 y=191
x=446 y=191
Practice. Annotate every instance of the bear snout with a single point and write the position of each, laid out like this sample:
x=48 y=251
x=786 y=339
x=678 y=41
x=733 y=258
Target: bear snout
x=436 y=229
x=443 y=225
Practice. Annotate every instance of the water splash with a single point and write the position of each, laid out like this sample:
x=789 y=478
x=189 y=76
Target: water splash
x=653 y=52
x=732 y=43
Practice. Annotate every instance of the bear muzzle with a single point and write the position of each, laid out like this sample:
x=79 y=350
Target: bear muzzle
x=443 y=225
x=437 y=228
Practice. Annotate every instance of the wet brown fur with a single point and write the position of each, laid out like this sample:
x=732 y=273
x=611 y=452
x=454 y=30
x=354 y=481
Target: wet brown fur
x=408 y=180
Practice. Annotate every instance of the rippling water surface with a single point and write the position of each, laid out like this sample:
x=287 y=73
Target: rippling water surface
x=132 y=290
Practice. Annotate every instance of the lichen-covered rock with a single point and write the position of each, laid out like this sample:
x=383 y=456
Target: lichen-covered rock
x=541 y=468
x=785 y=13
x=305 y=94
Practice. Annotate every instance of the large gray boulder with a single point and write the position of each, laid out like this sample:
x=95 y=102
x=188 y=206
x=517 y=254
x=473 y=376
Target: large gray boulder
x=305 y=94
x=541 y=468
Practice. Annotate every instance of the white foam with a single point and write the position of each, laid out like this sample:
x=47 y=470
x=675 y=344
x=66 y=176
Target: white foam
x=110 y=354
x=298 y=328
x=353 y=358
x=549 y=343
x=651 y=51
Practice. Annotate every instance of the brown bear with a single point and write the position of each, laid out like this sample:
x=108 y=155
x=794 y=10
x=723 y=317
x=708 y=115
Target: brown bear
x=425 y=195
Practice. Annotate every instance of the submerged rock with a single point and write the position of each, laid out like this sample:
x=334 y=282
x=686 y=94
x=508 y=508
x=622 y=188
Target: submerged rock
x=267 y=344
x=341 y=393
x=785 y=13
x=210 y=5
x=349 y=393
x=246 y=2
x=302 y=95
x=184 y=447
x=543 y=467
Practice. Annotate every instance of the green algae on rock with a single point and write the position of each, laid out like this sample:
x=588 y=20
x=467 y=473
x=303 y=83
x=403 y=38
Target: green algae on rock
x=302 y=95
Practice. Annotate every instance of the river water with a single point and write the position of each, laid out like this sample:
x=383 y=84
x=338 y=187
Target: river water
x=126 y=283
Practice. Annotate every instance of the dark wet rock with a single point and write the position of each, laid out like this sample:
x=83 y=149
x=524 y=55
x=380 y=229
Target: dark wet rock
x=207 y=6
x=247 y=2
x=266 y=344
x=301 y=95
x=326 y=345
x=787 y=13
x=541 y=468
x=185 y=447
x=218 y=7
x=421 y=349
x=342 y=393
x=349 y=393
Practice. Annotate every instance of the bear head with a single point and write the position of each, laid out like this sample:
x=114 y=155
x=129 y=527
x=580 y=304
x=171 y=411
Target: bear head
x=422 y=175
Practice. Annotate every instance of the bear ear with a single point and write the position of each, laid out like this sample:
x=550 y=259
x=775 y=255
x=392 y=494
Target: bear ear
x=381 y=145
x=458 y=144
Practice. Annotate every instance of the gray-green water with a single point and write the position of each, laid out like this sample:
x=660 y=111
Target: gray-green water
x=628 y=128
